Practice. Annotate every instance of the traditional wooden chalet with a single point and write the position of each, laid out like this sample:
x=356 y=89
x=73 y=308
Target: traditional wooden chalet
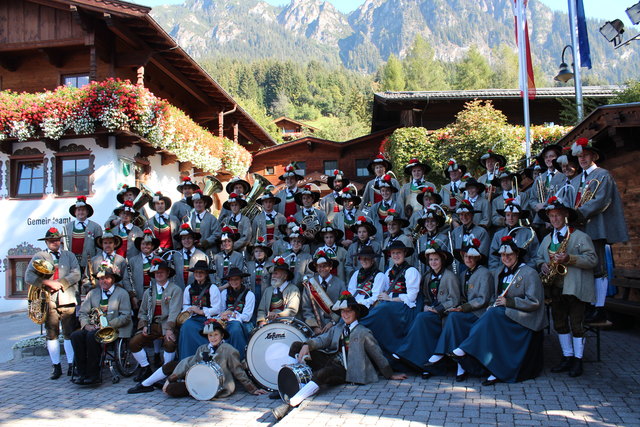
x=616 y=130
x=319 y=157
x=293 y=129
x=437 y=109
x=89 y=141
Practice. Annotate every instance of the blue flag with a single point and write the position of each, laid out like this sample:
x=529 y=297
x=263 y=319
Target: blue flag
x=583 y=37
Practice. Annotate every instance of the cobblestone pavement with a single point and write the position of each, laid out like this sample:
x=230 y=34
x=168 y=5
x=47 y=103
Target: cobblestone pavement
x=607 y=395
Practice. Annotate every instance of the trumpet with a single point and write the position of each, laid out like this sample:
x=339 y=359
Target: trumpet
x=588 y=193
x=107 y=334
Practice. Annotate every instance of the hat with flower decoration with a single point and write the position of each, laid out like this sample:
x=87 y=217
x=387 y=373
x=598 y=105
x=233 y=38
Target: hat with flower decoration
x=280 y=263
x=291 y=171
x=52 y=234
x=229 y=233
x=290 y=223
x=236 y=180
x=514 y=205
x=363 y=221
x=348 y=193
x=158 y=263
x=583 y=144
x=186 y=230
x=546 y=147
x=471 y=248
x=147 y=236
x=323 y=256
x=436 y=212
x=337 y=175
x=502 y=161
x=386 y=182
x=555 y=203
x=215 y=324
x=453 y=165
x=127 y=207
x=472 y=182
x=81 y=202
x=394 y=216
x=306 y=190
x=157 y=197
x=428 y=191
x=199 y=195
x=568 y=158
x=260 y=243
x=466 y=206
x=268 y=195
x=108 y=234
x=416 y=163
x=380 y=159
x=328 y=228
x=346 y=300
x=186 y=181
x=508 y=246
x=108 y=269
x=435 y=247
x=297 y=232
x=124 y=190
x=237 y=198
x=399 y=244
x=503 y=173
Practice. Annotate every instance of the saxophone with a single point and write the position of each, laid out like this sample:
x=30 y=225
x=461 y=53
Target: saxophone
x=555 y=268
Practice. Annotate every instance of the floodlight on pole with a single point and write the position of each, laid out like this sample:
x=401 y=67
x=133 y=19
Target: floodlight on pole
x=612 y=31
x=633 y=13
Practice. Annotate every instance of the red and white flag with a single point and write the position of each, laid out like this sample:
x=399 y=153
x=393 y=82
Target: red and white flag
x=527 y=82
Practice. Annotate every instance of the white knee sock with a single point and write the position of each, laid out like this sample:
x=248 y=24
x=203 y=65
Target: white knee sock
x=158 y=375
x=602 y=283
x=141 y=357
x=157 y=346
x=168 y=357
x=460 y=370
x=459 y=352
x=566 y=344
x=435 y=358
x=53 y=346
x=68 y=350
x=305 y=392
x=578 y=346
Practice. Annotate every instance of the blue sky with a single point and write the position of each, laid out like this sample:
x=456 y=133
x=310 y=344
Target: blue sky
x=602 y=9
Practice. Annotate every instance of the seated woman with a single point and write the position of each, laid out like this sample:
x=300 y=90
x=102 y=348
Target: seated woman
x=202 y=300
x=476 y=291
x=364 y=232
x=393 y=314
x=238 y=303
x=367 y=282
x=441 y=291
x=500 y=339
x=217 y=350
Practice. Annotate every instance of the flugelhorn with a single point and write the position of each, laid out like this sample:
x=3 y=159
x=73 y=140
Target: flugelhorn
x=588 y=193
x=260 y=185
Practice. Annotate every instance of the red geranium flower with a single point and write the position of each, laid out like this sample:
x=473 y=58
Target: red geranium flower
x=336 y=172
x=147 y=231
x=82 y=198
x=128 y=203
x=506 y=239
x=233 y=196
x=582 y=141
x=552 y=200
x=53 y=230
x=186 y=179
x=362 y=219
x=475 y=242
x=185 y=226
x=260 y=239
x=290 y=219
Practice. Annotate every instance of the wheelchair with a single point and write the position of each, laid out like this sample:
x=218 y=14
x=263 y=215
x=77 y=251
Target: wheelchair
x=118 y=359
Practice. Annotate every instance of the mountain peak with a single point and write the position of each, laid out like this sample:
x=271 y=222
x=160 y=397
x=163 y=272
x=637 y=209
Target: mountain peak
x=315 y=19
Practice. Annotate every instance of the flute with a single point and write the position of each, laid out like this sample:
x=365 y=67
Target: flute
x=508 y=286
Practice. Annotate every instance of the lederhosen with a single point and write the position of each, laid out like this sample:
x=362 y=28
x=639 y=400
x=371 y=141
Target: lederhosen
x=65 y=314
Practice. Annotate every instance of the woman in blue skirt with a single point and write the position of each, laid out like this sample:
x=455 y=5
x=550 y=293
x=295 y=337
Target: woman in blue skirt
x=238 y=302
x=392 y=316
x=500 y=339
x=202 y=300
x=476 y=292
x=441 y=291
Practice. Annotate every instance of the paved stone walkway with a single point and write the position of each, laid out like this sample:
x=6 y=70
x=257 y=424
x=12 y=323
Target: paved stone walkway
x=607 y=395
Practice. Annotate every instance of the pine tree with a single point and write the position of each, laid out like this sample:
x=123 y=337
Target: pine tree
x=421 y=70
x=473 y=72
x=505 y=67
x=393 y=75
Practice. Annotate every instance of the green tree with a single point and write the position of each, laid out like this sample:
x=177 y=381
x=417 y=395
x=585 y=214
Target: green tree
x=421 y=70
x=630 y=94
x=259 y=114
x=505 y=68
x=392 y=75
x=282 y=106
x=473 y=71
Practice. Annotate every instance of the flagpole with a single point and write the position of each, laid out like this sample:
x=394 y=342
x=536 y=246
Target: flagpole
x=575 y=48
x=524 y=81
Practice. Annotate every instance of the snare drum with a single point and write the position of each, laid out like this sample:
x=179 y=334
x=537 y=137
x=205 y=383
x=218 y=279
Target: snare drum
x=204 y=380
x=292 y=378
x=268 y=349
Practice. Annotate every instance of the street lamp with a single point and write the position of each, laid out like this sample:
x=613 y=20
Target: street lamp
x=564 y=75
x=612 y=31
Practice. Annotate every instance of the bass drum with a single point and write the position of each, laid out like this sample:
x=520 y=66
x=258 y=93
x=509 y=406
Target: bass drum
x=204 y=380
x=291 y=379
x=268 y=349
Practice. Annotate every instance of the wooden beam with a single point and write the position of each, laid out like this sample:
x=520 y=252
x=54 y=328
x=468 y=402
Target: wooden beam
x=6 y=147
x=134 y=59
x=9 y=62
x=168 y=158
x=54 y=56
x=51 y=144
x=12 y=47
x=102 y=140
x=185 y=166
x=147 y=150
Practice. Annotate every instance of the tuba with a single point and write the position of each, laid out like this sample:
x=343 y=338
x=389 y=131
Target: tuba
x=141 y=200
x=107 y=334
x=260 y=185
x=37 y=297
x=212 y=185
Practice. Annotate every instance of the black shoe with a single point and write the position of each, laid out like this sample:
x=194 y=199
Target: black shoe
x=274 y=395
x=598 y=316
x=139 y=388
x=280 y=411
x=56 y=372
x=430 y=364
x=576 y=368
x=70 y=370
x=93 y=380
x=159 y=384
x=455 y=357
x=564 y=365
x=425 y=375
x=487 y=383
x=143 y=373
x=462 y=377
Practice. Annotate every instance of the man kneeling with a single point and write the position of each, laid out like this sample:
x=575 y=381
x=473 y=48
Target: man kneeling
x=345 y=353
